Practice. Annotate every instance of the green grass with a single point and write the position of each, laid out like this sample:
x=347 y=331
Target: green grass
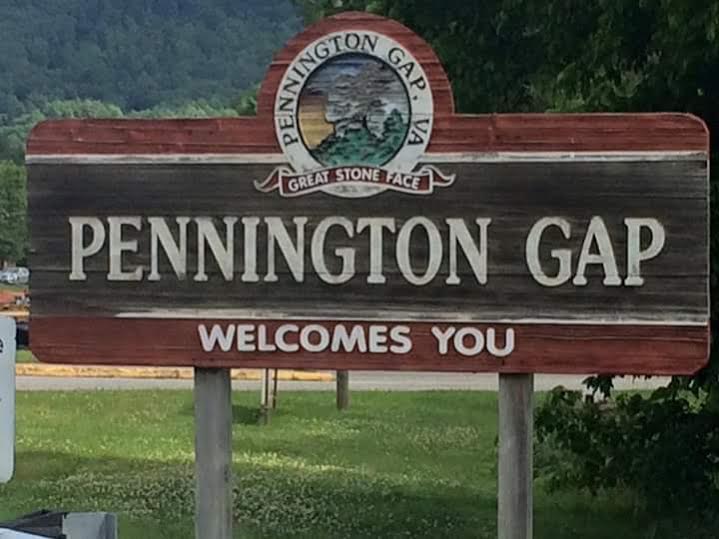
x=397 y=464
x=13 y=287
x=24 y=356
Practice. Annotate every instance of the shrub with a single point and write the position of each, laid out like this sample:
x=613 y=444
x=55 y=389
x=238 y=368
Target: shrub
x=664 y=447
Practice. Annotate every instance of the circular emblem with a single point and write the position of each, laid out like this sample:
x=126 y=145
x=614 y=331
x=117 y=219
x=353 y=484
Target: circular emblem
x=354 y=99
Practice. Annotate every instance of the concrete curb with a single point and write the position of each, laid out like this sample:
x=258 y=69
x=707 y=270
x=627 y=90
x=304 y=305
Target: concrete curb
x=155 y=373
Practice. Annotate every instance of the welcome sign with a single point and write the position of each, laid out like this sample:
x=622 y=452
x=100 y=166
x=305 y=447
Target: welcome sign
x=358 y=222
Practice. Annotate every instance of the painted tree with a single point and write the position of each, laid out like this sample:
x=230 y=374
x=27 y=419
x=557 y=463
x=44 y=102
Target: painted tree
x=353 y=102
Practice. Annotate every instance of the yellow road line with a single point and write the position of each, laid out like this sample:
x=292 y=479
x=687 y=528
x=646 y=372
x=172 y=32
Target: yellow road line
x=157 y=373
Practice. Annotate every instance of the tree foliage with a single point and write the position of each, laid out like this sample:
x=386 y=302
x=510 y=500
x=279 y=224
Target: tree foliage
x=567 y=56
x=136 y=54
x=13 y=212
x=560 y=55
x=130 y=58
x=664 y=447
x=14 y=132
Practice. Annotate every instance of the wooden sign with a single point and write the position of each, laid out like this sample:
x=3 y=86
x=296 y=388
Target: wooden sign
x=358 y=222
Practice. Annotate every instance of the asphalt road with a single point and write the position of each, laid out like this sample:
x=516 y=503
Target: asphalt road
x=359 y=381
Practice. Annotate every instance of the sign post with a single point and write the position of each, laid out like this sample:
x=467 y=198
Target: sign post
x=213 y=453
x=343 y=390
x=268 y=394
x=7 y=398
x=516 y=438
x=358 y=222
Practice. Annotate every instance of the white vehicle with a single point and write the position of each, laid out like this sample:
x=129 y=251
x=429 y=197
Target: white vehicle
x=23 y=275
x=19 y=275
x=8 y=277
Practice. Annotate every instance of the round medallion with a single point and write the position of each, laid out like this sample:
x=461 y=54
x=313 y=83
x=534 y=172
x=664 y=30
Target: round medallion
x=354 y=98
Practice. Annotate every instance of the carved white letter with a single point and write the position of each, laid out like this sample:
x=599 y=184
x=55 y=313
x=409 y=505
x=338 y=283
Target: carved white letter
x=119 y=246
x=404 y=242
x=294 y=254
x=635 y=254
x=376 y=225
x=176 y=254
x=224 y=254
x=477 y=258
x=347 y=254
x=564 y=256
x=597 y=231
x=81 y=251
x=250 y=226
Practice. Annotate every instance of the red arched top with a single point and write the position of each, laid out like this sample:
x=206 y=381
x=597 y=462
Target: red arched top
x=358 y=20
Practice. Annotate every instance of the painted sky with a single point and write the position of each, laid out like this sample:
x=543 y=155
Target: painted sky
x=347 y=91
x=313 y=126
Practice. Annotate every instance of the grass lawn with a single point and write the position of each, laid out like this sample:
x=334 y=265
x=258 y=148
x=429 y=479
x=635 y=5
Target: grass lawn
x=397 y=464
x=13 y=287
x=24 y=356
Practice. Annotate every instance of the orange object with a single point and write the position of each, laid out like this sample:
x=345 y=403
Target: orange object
x=12 y=300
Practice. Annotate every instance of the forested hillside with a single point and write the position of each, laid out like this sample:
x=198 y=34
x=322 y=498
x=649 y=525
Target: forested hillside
x=112 y=58
x=136 y=54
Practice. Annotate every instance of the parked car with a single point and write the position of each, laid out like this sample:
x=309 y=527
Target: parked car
x=19 y=275
x=23 y=275
x=8 y=277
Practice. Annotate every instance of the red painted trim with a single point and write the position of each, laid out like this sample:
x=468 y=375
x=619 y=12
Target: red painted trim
x=98 y=137
x=567 y=349
x=490 y=133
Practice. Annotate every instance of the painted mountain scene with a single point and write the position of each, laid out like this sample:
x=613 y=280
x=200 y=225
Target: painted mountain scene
x=354 y=110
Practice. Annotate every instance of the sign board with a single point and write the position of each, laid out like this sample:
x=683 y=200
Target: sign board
x=359 y=222
x=7 y=398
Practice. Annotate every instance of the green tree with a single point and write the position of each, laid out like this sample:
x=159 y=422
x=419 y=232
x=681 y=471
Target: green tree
x=14 y=131
x=200 y=108
x=486 y=47
x=246 y=103
x=136 y=54
x=13 y=212
x=565 y=56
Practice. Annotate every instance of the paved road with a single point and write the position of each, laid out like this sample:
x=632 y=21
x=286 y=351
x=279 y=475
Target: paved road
x=360 y=380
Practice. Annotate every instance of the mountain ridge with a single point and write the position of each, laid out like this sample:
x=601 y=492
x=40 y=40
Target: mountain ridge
x=137 y=54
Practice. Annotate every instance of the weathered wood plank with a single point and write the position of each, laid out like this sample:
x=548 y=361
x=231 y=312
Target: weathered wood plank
x=508 y=299
x=513 y=194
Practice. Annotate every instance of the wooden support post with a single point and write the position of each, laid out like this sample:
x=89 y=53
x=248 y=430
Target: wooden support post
x=268 y=395
x=343 y=390
x=275 y=381
x=516 y=431
x=213 y=454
